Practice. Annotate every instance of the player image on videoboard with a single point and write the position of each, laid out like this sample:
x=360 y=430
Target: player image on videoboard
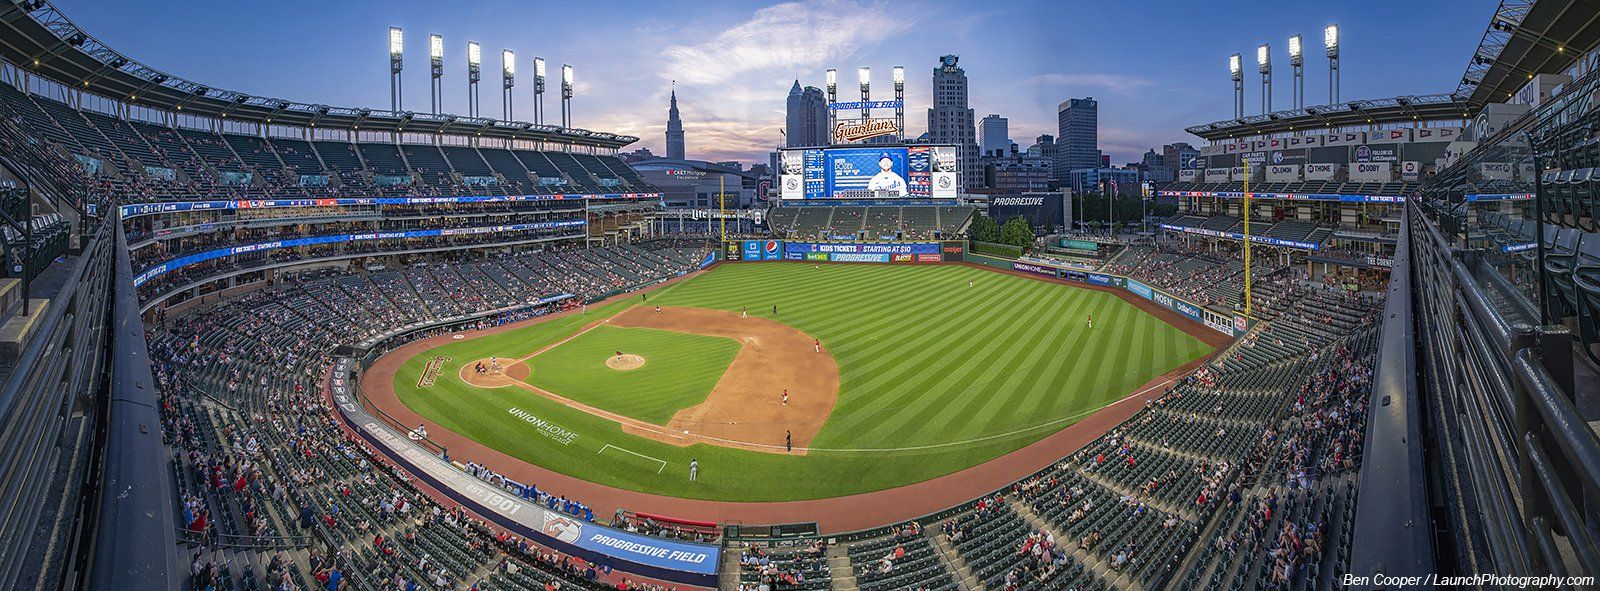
x=887 y=182
x=865 y=173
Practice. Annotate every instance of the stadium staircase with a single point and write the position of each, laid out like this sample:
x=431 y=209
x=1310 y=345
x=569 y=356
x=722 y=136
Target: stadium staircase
x=952 y=561
x=843 y=577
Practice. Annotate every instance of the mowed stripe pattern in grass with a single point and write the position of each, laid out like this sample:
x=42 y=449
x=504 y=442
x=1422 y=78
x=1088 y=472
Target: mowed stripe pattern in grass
x=946 y=375
x=926 y=359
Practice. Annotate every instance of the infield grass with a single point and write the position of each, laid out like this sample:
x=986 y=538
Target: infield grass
x=935 y=377
x=679 y=371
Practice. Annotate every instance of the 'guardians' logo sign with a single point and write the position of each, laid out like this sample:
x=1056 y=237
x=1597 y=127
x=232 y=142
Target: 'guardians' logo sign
x=431 y=371
x=855 y=131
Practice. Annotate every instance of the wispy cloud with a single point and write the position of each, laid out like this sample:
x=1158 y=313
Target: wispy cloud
x=789 y=37
x=1110 y=82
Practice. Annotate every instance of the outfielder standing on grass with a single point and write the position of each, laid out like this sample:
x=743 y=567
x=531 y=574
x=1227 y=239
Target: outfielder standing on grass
x=694 y=469
x=1091 y=320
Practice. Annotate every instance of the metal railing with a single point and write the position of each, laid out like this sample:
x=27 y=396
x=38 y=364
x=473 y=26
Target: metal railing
x=46 y=403
x=1514 y=471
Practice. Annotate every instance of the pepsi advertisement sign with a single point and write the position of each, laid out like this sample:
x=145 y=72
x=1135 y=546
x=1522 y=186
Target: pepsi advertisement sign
x=762 y=250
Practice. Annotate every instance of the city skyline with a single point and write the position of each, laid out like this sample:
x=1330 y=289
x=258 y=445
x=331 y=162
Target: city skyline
x=735 y=63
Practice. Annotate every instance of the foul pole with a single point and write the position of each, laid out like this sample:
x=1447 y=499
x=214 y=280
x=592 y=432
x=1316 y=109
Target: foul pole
x=1247 y=238
x=722 y=208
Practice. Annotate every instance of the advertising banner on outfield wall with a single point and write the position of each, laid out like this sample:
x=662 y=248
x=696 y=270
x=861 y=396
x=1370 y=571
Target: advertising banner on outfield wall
x=762 y=250
x=858 y=252
x=1212 y=320
x=952 y=251
x=1035 y=269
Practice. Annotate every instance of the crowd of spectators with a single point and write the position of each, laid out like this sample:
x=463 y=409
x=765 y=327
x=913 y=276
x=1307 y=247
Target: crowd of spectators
x=266 y=466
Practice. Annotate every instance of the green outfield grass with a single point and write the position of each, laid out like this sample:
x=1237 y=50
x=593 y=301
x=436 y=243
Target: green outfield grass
x=935 y=377
x=680 y=371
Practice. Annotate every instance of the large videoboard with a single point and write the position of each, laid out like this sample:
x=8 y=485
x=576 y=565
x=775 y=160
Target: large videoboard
x=869 y=172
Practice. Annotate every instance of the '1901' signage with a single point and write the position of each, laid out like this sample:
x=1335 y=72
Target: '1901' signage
x=855 y=131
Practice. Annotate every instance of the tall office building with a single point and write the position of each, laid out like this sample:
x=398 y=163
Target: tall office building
x=1078 y=141
x=674 y=130
x=950 y=121
x=806 y=123
x=994 y=135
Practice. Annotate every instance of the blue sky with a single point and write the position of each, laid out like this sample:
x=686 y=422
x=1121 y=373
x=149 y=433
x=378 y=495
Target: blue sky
x=1155 y=66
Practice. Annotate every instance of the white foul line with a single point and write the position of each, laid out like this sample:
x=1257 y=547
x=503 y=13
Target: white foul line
x=609 y=446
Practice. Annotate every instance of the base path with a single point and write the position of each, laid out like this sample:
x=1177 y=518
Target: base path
x=746 y=409
x=832 y=515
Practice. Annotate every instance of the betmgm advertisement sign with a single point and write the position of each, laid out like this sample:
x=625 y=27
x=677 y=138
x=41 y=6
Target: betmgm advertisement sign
x=881 y=172
x=1042 y=210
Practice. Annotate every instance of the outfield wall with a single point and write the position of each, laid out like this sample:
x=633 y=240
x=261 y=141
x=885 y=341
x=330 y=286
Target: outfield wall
x=846 y=252
x=952 y=251
x=1232 y=326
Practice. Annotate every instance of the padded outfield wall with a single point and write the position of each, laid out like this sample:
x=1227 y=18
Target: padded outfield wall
x=953 y=251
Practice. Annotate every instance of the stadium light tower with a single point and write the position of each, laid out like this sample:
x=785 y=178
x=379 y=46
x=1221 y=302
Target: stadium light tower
x=396 y=49
x=865 y=73
x=474 y=58
x=1264 y=64
x=1297 y=63
x=566 y=95
x=436 y=70
x=508 y=79
x=1330 y=40
x=1236 y=71
x=900 y=101
x=538 y=90
x=833 y=97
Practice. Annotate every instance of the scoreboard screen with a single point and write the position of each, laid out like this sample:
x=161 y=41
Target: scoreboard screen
x=869 y=172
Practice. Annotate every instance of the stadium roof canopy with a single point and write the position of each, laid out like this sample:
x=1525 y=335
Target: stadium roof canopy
x=1525 y=38
x=1401 y=109
x=40 y=39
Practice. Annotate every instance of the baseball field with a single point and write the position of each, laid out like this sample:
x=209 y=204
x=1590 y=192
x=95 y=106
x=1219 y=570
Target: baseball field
x=893 y=374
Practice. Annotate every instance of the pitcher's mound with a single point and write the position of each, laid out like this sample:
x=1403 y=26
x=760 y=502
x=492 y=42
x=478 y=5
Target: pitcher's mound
x=625 y=362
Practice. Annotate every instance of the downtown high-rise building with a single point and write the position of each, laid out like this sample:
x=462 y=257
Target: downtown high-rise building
x=674 y=130
x=950 y=121
x=1078 y=140
x=994 y=136
x=806 y=121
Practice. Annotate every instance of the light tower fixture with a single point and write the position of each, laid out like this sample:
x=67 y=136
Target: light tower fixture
x=566 y=95
x=900 y=102
x=833 y=97
x=1330 y=40
x=436 y=71
x=1264 y=64
x=1297 y=64
x=508 y=79
x=397 y=47
x=865 y=74
x=474 y=59
x=1236 y=72
x=538 y=90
